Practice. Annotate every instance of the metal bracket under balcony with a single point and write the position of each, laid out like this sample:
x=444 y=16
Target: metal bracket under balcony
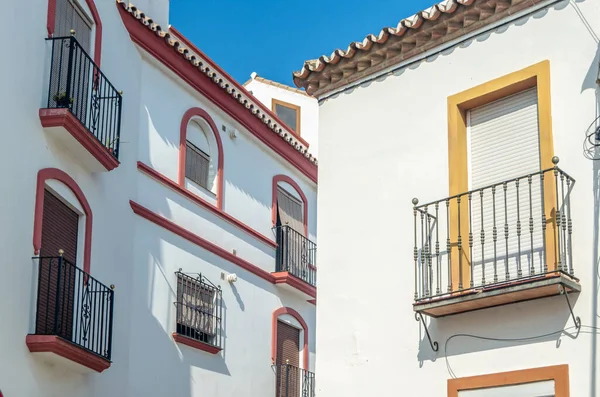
x=504 y=243
x=83 y=109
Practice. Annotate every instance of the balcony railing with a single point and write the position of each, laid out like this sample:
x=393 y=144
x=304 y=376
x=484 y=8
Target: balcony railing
x=294 y=382
x=296 y=254
x=77 y=84
x=73 y=305
x=504 y=233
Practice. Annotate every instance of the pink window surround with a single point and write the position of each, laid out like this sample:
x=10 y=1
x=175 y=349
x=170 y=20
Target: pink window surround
x=290 y=181
x=61 y=176
x=187 y=117
x=51 y=18
x=280 y=312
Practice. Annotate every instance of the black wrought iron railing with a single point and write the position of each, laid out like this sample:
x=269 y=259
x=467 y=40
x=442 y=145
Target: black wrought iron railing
x=292 y=381
x=73 y=305
x=296 y=254
x=77 y=83
x=199 y=309
x=512 y=230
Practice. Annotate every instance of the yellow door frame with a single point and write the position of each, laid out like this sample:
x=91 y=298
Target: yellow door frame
x=537 y=75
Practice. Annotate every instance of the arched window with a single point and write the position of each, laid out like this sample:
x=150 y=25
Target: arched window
x=289 y=334
x=289 y=206
x=201 y=156
x=62 y=219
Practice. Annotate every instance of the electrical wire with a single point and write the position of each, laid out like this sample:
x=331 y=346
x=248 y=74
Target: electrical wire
x=523 y=339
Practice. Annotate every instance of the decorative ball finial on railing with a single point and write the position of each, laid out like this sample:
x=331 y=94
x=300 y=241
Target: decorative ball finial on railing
x=415 y=201
x=72 y=32
x=112 y=286
x=61 y=252
x=555 y=160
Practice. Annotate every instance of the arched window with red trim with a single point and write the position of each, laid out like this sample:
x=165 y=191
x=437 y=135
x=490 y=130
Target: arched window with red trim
x=201 y=156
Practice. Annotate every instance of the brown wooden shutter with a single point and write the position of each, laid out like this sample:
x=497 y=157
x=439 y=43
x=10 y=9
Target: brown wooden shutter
x=59 y=231
x=288 y=344
x=288 y=352
x=69 y=16
x=59 y=228
x=290 y=210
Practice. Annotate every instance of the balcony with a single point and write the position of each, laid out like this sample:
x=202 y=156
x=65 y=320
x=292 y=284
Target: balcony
x=83 y=109
x=504 y=243
x=73 y=318
x=293 y=381
x=295 y=262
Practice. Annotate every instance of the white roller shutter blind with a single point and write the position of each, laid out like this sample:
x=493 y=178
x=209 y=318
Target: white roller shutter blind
x=503 y=138
x=535 y=389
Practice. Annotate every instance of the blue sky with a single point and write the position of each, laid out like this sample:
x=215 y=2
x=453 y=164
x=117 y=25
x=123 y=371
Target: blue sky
x=274 y=37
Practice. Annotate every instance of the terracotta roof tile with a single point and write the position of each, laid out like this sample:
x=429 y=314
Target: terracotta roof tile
x=220 y=78
x=418 y=33
x=275 y=84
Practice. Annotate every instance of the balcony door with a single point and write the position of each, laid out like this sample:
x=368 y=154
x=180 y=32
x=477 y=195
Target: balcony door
x=288 y=360
x=57 y=277
x=290 y=234
x=503 y=144
x=70 y=16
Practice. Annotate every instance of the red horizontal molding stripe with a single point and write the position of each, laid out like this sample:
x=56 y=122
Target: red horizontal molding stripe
x=199 y=241
x=151 y=172
x=173 y=60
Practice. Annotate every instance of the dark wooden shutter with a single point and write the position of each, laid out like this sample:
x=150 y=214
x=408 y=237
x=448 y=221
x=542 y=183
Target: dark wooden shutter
x=59 y=231
x=288 y=352
x=69 y=16
x=290 y=211
x=197 y=164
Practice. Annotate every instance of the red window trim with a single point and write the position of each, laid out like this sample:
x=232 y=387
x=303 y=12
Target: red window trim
x=157 y=176
x=280 y=312
x=61 y=176
x=290 y=181
x=51 y=19
x=207 y=245
x=158 y=47
x=187 y=117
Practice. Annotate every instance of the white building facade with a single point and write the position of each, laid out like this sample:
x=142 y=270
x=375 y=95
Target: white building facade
x=172 y=214
x=454 y=141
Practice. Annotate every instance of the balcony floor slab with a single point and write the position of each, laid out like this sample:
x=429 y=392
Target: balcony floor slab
x=55 y=350
x=542 y=286
x=288 y=281
x=77 y=140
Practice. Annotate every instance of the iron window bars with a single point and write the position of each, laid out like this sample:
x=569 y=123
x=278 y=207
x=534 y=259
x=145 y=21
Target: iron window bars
x=296 y=254
x=498 y=234
x=77 y=84
x=199 y=309
x=73 y=305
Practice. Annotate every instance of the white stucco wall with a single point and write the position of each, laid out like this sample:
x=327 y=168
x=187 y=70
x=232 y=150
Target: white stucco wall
x=309 y=109
x=369 y=342
x=135 y=255
x=24 y=74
